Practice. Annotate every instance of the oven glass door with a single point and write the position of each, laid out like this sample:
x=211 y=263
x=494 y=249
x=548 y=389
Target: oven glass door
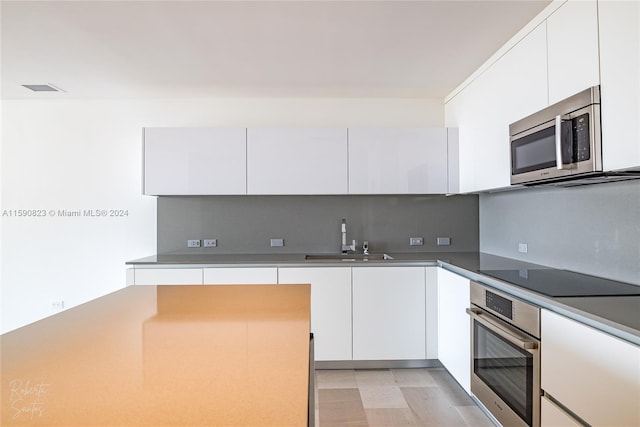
x=506 y=369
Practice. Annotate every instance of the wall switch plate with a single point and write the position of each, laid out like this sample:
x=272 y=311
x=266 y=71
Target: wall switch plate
x=416 y=241
x=57 y=305
x=193 y=243
x=210 y=243
x=277 y=243
x=523 y=248
x=443 y=241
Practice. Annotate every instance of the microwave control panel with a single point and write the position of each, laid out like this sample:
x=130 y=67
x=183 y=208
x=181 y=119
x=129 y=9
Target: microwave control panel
x=581 y=139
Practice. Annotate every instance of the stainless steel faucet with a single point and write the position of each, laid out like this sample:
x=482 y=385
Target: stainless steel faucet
x=347 y=248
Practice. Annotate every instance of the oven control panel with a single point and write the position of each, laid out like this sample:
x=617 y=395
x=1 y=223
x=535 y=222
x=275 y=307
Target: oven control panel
x=506 y=307
x=499 y=304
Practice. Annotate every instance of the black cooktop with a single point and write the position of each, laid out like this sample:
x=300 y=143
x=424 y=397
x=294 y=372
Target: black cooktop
x=562 y=283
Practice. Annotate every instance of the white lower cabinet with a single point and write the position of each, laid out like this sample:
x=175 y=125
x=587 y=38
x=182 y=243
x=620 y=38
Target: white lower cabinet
x=388 y=313
x=330 y=308
x=209 y=276
x=554 y=416
x=454 y=326
x=167 y=276
x=240 y=276
x=594 y=375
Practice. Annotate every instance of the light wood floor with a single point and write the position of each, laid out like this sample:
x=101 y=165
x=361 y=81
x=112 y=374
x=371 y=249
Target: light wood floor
x=394 y=397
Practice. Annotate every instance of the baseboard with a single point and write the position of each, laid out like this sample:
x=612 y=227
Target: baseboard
x=377 y=364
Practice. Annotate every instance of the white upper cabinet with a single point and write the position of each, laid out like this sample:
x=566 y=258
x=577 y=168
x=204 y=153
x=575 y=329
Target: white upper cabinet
x=572 y=39
x=519 y=81
x=194 y=161
x=303 y=160
x=620 y=85
x=580 y=44
x=300 y=161
x=512 y=88
x=397 y=160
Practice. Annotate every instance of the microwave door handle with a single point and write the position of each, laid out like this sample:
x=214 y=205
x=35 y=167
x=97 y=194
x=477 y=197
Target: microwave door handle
x=559 y=164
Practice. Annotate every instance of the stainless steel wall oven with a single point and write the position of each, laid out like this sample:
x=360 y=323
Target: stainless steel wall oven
x=505 y=356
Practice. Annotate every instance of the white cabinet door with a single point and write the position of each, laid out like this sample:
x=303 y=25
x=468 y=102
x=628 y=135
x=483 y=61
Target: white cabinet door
x=194 y=161
x=431 y=315
x=572 y=46
x=330 y=308
x=240 y=276
x=397 y=160
x=388 y=313
x=297 y=160
x=593 y=374
x=512 y=88
x=553 y=416
x=454 y=326
x=464 y=112
x=620 y=83
x=167 y=276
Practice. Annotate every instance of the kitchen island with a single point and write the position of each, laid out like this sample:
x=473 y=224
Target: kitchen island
x=164 y=356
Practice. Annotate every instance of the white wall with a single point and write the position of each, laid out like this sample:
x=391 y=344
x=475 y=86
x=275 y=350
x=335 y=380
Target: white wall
x=86 y=154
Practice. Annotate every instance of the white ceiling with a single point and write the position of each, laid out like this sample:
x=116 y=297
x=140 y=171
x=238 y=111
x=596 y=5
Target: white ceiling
x=252 y=48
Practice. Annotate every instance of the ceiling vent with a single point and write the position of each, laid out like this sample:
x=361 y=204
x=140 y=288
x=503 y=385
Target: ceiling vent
x=43 y=88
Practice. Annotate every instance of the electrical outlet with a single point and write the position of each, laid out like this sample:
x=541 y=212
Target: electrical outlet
x=193 y=243
x=210 y=243
x=416 y=241
x=523 y=248
x=57 y=305
x=277 y=243
x=443 y=241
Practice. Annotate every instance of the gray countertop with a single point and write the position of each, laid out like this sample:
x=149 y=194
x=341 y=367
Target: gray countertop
x=274 y=259
x=618 y=316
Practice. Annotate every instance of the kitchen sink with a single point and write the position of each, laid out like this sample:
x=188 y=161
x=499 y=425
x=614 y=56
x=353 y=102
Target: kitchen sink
x=348 y=257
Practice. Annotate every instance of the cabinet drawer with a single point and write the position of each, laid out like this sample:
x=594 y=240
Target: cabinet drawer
x=168 y=276
x=553 y=416
x=241 y=276
x=593 y=374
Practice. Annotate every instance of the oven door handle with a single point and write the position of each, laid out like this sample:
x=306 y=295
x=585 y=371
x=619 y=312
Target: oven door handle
x=503 y=329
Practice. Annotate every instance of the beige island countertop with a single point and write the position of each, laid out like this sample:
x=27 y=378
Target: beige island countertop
x=164 y=356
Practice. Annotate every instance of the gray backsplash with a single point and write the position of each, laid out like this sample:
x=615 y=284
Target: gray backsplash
x=590 y=229
x=311 y=224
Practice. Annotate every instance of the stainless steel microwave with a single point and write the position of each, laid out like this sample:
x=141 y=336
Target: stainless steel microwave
x=559 y=142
